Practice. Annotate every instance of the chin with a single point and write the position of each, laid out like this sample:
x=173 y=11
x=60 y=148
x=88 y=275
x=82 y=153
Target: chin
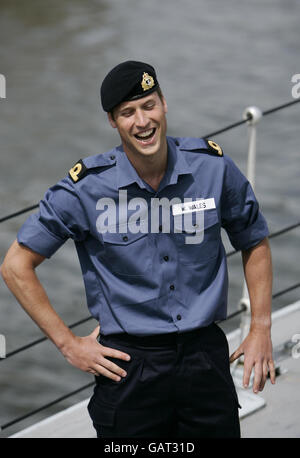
x=148 y=151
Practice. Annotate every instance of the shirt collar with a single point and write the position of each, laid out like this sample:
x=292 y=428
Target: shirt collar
x=177 y=165
x=126 y=173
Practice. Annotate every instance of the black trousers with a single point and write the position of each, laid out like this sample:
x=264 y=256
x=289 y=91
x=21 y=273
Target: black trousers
x=177 y=385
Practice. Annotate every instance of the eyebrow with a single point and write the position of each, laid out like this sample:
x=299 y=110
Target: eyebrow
x=129 y=107
x=149 y=101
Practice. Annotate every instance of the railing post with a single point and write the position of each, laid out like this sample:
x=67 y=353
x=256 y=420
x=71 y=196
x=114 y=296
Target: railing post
x=2 y=347
x=253 y=116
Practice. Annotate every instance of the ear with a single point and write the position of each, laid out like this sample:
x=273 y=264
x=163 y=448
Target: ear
x=165 y=105
x=111 y=120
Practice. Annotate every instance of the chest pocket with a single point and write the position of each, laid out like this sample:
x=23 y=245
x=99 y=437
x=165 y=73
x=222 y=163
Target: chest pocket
x=127 y=253
x=199 y=243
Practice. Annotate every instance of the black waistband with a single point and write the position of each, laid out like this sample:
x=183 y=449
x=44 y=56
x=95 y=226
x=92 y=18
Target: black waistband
x=172 y=338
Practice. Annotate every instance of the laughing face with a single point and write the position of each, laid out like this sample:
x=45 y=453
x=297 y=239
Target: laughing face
x=142 y=125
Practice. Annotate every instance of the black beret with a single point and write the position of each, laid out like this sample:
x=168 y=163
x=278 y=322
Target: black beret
x=127 y=81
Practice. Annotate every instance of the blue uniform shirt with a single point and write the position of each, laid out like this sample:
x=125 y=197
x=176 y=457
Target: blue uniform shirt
x=153 y=262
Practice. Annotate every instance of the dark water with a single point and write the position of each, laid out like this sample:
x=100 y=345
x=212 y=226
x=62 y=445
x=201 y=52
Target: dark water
x=213 y=59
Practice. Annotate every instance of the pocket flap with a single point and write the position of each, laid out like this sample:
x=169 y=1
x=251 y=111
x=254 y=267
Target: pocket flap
x=196 y=221
x=122 y=238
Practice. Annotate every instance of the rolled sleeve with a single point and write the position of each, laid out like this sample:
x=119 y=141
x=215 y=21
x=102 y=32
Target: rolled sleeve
x=241 y=216
x=60 y=217
x=35 y=236
x=250 y=236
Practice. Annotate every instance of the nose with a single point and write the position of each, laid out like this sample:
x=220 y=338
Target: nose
x=141 y=119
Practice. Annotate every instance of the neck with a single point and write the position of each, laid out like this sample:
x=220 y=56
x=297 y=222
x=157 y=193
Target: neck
x=150 y=168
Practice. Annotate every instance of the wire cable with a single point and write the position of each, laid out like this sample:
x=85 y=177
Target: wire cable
x=212 y=134
x=20 y=212
x=49 y=404
x=271 y=236
x=77 y=323
x=239 y=123
x=43 y=339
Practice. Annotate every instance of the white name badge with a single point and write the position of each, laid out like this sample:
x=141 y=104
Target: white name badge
x=195 y=206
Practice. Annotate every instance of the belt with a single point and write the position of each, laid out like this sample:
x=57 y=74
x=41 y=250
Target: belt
x=172 y=338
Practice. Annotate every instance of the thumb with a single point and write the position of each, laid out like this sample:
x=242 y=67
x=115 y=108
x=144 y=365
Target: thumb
x=235 y=355
x=96 y=332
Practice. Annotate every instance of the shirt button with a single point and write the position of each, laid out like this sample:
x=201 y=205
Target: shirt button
x=172 y=287
x=166 y=258
x=178 y=317
x=112 y=157
x=125 y=238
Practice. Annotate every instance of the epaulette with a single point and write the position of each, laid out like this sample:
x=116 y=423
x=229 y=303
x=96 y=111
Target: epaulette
x=213 y=147
x=199 y=145
x=80 y=169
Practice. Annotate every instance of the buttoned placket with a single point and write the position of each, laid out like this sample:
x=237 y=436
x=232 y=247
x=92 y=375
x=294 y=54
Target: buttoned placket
x=127 y=175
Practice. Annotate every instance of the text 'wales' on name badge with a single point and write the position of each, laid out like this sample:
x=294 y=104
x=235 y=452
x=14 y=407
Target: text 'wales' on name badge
x=194 y=206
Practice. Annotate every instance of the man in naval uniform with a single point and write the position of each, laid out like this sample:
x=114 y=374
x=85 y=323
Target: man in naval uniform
x=146 y=220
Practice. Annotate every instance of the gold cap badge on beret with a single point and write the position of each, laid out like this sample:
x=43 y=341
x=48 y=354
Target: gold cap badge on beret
x=147 y=82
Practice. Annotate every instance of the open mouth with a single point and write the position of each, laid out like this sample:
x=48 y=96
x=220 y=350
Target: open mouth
x=146 y=135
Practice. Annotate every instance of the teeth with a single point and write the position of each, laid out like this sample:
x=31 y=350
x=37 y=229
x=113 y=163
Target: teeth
x=146 y=134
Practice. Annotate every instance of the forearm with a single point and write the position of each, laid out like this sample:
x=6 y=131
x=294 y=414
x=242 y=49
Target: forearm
x=257 y=264
x=24 y=284
x=257 y=346
x=85 y=353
